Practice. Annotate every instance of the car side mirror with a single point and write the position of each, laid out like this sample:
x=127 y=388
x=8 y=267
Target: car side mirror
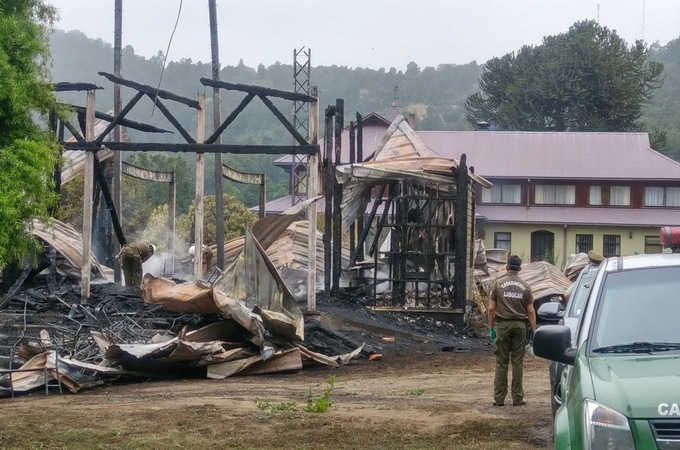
x=553 y=342
x=553 y=311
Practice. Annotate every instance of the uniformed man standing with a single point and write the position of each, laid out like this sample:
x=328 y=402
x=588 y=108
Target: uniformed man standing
x=511 y=317
x=131 y=257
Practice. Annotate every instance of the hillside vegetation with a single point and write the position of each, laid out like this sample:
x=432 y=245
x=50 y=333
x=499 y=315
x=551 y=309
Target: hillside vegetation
x=436 y=95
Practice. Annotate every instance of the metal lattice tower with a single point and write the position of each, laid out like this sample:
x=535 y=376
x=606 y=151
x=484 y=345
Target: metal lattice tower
x=301 y=84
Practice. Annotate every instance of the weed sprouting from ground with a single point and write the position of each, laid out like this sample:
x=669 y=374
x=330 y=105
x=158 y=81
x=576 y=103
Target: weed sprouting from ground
x=314 y=404
x=322 y=403
x=416 y=392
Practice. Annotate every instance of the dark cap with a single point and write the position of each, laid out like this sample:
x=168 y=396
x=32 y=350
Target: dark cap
x=514 y=262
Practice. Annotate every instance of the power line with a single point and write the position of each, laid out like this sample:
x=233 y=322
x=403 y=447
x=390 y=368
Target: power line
x=165 y=58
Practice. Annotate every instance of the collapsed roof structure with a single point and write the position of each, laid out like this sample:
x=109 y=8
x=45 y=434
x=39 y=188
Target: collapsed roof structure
x=421 y=238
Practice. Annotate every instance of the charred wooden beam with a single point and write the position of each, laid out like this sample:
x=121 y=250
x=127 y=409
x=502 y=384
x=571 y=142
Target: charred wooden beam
x=328 y=194
x=148 y=175
x=242 y=177
x=178 y=126
x=460 y=224
x=120 y=119
x=352 y=160
x=360 y=158
x=337 y=195
x=65 y=86
x=109 y=200
x=76 y=134
x=284 y=121
x=234 y=114
x=151 y=91
x=364 y=232
x=197 y=148
x=259 y=90
x=124 y=122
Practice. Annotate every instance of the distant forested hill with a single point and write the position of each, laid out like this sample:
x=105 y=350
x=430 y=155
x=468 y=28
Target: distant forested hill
x=436 y=95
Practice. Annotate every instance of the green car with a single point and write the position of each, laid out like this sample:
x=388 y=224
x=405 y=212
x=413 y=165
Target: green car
x=621 y=387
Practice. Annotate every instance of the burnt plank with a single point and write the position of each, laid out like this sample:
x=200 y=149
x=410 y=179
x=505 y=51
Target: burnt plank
x=234 y=114
x=284 y=121
x=178 y=126
x=258 y=90
x=124 y=122
x=150 y=90
x=198 y=148
x=66 y=86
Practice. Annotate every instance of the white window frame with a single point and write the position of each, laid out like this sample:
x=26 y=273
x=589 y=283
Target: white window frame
x=555 y=194
x=659 y=196
x=503 y=193
x=619 y=196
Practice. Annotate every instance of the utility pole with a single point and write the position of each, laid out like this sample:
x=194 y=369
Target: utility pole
x=217 y=120
x=117 y=106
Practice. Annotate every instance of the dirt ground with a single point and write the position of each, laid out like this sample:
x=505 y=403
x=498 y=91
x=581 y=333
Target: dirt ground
x=419 y=398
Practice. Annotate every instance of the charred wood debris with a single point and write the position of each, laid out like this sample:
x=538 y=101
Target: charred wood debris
x=43 y=315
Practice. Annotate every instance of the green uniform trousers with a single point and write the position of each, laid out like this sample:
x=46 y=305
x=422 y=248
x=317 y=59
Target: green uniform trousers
x=131 y=261
x=510 y=345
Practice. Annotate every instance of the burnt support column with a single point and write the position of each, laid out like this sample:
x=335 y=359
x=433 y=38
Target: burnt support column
x=352 y=160
x=337 y=196
x=360 y=158
x=328 y=194
x=460 y=223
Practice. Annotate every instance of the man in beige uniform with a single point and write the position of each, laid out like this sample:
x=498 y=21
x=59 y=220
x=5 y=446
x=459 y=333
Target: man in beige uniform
x=511 y=312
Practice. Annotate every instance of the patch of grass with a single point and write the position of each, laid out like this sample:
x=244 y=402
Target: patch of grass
x=266 y=405
x=323 y=403
x=416 y=392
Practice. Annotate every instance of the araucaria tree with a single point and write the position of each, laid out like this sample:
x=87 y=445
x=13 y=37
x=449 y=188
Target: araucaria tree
x=587 y=79
x=27 y=153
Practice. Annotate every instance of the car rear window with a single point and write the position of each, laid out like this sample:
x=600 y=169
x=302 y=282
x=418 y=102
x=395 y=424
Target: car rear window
x=641 y=305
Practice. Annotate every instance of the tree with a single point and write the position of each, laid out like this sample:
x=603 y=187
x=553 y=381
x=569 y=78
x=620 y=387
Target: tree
x=27 y=153
x=584 y=80
x=236 y=218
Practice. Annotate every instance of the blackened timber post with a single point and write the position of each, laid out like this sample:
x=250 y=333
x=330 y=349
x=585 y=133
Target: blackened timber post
x=172 y=206
x=88 y=188
x=460 y=224
x=217 y=120
x=337 y=195
x=328 y=194
x=312 y=191
x=364 y=232
x=117 y=107
x=263 y=196
x=360 y=158
x=352 y=160
x=200 y=185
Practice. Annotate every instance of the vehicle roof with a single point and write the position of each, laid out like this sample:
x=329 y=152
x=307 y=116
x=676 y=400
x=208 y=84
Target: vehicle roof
x=641 y=261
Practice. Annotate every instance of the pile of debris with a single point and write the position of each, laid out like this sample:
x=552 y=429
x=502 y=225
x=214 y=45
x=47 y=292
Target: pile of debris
x=47 y=335
x=246 y=322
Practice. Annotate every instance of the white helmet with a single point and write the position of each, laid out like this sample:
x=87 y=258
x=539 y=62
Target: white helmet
x=152 y=248
x=192 y=250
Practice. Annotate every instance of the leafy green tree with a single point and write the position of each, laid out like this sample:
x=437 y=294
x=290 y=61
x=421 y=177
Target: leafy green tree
x=584 y=80
x=236 y=218
x=27 y=154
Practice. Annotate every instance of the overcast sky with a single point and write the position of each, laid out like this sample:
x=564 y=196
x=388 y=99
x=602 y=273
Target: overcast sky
x=361 y=33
